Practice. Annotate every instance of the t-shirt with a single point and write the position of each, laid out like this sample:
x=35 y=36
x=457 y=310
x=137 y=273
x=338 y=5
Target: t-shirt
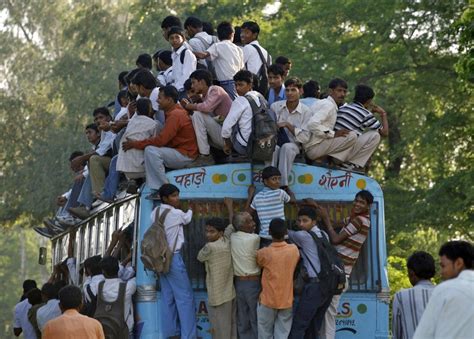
x=269 y=205
x=355 y=117
x=21 y=319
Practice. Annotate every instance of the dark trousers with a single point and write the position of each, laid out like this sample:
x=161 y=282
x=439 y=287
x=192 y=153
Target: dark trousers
x=309 y=314
x=247 y=292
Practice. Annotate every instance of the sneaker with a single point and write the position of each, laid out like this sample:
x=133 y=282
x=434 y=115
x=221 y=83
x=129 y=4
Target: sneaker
x=347 y=166
x=80 y=212
x=202 y=160
x=43 y=231
x=132 y=187
x=154 y=196
x=67 y=220
x=52 y=225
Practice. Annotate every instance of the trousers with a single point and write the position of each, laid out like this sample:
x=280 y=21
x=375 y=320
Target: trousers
x=208 y=132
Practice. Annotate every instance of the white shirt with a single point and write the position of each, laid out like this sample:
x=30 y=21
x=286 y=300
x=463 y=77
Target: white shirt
x=154 y=98
x=244 y=248
x=165 y=77
x=197 y=45
x=106 y=142
x=126 y=272
x=182 y=71
x=20 y=319
x=71 y=267
x=252 y=59
x=94 y=284
x=299 y=118
x=241 y=113
x=123 y=112
x=321 y=124
x=47 y=312
x=227 y=59
x=450 y=311
x=174 y=222
x=110 y=293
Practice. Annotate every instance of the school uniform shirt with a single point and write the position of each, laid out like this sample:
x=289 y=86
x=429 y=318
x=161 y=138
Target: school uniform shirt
x=182 y=71
x=165 y=77
x=105 y=144
x=355 y=117
x=94 y=284
x=216 y=101
x=174 y=222
x=244 y=248
x=299 y=118
x=274 y=97
x=323 y=119
x=197 y=44
x=47 y=312
x=139 y=127
x=240 y=113
x=252 y=59
x=20 y=319
x=269 y=204
x=227 y=59
x=450 y=311
x=110 y=293
x=278 y=262
x=71 y=267
x=72 y=325
x=217 y=260
x=408 y=307
x=122 y=113
x=126 y=272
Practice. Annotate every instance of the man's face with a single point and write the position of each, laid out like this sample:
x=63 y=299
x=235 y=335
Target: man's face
x=287 y=68
x=249 y=224
x=176 y=40
x=275 y=81
x=247 y=36
x=172 y=199
x=164 y=102
x=198 y=86
x=292 y=93
x=101 y=118
x=338 y=94
x=92 y=136
x=450 y=269
x=242 y=87
x=305 y=223
x=360 y=205
x=212 y=234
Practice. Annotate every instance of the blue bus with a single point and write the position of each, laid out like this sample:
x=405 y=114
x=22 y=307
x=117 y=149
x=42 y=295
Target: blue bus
x=363 y=310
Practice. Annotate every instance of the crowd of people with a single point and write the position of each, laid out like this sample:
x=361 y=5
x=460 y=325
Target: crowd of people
x=200 y=108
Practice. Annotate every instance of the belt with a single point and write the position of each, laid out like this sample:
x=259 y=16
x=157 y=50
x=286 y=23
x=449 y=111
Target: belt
x=226 y=82
x=247 y=277
x=311 y=280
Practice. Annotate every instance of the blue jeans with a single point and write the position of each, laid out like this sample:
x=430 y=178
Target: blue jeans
x=85 y=197
x=229 y=87
x=178 y=311
x=112 y=180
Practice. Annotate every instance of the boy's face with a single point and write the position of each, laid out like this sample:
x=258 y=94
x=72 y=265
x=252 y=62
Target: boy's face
x=176 y=40
x=123 y=101
x=305 y=223
x=292 y=93
x=161 y=66
x=100 y=118
x=275 y=80
x=172 y=199
x=360 y=205
x=212 y=234
x=287 y=68
x=132 y=88
x=247 y=36
x=242 y=87
x=273 y=182
x=92 y=136
x=198 y=86
x=141 y=91
x=249 y=224
x=450 y=269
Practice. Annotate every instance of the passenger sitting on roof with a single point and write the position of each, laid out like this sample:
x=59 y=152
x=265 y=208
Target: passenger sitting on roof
x=311 y=93
x=174 y=147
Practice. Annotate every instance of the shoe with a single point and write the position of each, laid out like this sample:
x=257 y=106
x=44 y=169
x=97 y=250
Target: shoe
x=67 y=220
x=80 y=212
x=347 y=166
x=154 y=196
x=53 y=226
x=237 y=158
x=95 y=204
x=103 y=199
x=43 y=231
x=203 y=160
x=132 y=187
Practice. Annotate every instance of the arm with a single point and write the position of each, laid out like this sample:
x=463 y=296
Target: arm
x=384 y=130
x=71 y=242
x=205 y=253
x=113 y=242
x=250 y=195
x=336 y=238
x=233 y=117
x=201 y=55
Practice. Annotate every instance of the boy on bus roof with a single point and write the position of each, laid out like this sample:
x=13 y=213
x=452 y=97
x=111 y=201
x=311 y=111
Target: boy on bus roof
x=184 y=61
x=216 y=256
x=276 y=78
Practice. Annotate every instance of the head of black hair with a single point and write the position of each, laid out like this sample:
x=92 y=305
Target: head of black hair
x=34 y=296
x=363 y=93
x=202 y=74
x=193 y=22
x=121 y=78
x=337 y=82
x=121 y=95
x=28 y=285
x=458 y=249
x=144 y=78
x=144 y=60
x=167 y=189
x=208 y=28
x=92 y=264
x=218 y=223
x=165 y=57
x=224 y=30
x=144 y=106
x=176 y=30
x=170 y=92
x=252 y=26
x=109 y=266
x=308 y=211
x=130 y=75
x=93 y=126
x=75 y=154
x=171 y=21
x=244 y=75
x=188 y=85
x=366 y=195
x=70 y=297
x=237 y=39
x=60 y=284
x=311 y=89
x=50 y=291
x=276 y=69
x=293 y=82
x=270 y=171
x=422 y=264
x=278 y=229
x=282 y=60
x=101 y=111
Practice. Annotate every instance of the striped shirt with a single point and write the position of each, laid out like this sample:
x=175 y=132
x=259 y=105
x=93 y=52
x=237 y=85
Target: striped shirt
x=358 y=230
x=269 y=204
x=355 y=117
x=408 y=307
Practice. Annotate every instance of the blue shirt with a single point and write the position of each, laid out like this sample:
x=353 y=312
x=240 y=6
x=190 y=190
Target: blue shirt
x=269 y=204
x=309 y=101
x=273 y=98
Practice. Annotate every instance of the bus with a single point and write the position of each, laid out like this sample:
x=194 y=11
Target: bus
x=363 y=310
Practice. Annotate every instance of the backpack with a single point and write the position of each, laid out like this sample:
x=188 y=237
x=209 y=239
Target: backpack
x=89 y=307
x=156 y=255
x=263 y=138
x=111 y=314
x=210 y=66
x=332 y=276
x=262 y=73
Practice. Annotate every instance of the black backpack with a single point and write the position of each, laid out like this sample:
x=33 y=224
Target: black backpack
x=262 y=73
x=181 y=59
x=111 y=314
x=89 y=307
x=332 y=276
x=263 y=138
